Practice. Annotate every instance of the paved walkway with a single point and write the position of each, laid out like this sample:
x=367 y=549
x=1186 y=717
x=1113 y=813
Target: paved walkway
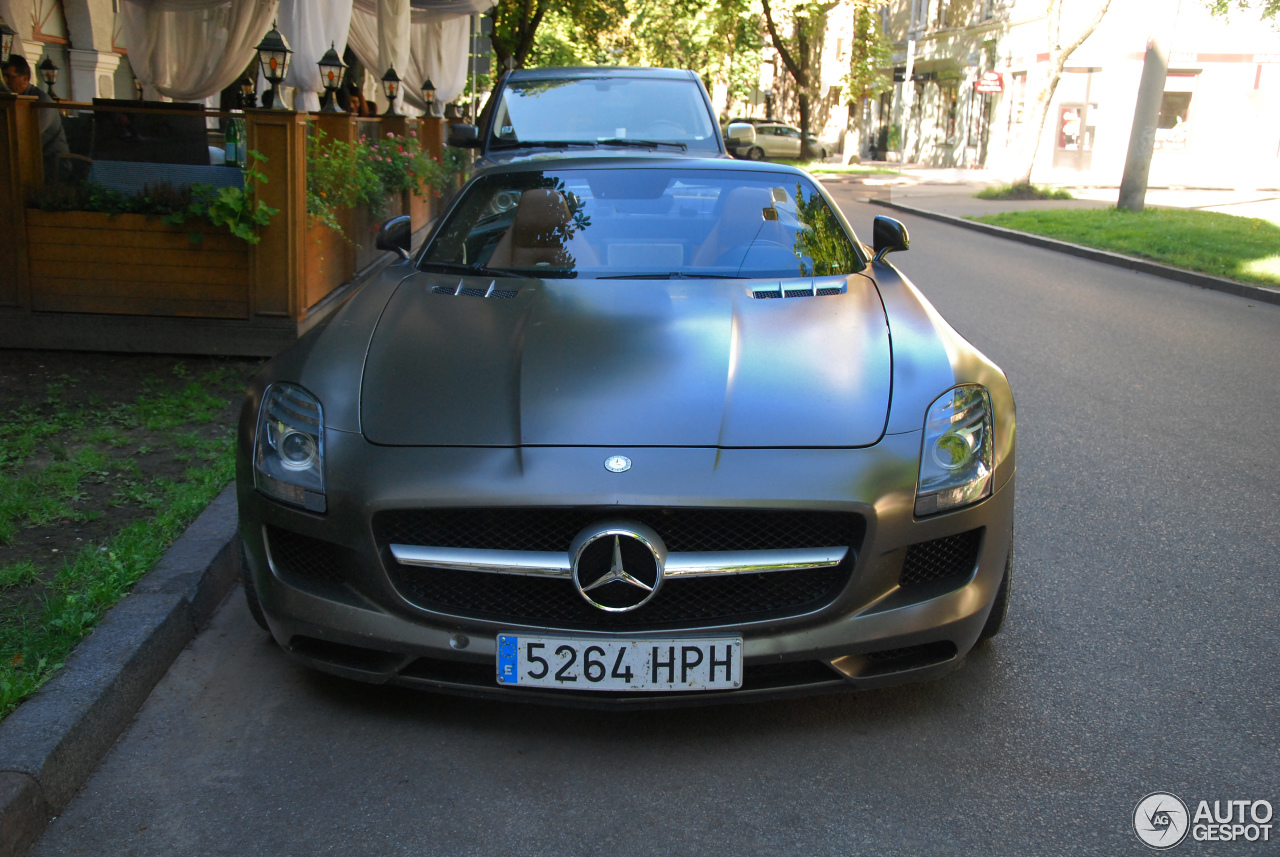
x=950 y=191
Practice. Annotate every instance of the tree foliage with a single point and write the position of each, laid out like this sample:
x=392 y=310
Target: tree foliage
x=1267 y=9
x=801 y=51
x=718 y=39
x=870 y=57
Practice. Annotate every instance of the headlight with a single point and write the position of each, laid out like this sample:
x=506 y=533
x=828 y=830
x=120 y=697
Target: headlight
x=288 y=454
x=955 y=459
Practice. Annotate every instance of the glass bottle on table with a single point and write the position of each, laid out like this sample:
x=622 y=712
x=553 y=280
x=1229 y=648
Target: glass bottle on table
x=231 y=143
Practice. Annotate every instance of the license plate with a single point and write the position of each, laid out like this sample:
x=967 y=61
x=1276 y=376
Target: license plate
x=586 y=663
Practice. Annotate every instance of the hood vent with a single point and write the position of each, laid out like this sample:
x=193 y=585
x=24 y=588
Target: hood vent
x=815 y=288
x=471 y=292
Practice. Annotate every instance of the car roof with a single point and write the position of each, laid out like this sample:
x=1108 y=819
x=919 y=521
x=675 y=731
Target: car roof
x=613 y=160
x=586 y=72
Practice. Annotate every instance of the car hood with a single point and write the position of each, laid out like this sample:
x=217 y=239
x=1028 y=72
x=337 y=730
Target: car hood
x=618 y=363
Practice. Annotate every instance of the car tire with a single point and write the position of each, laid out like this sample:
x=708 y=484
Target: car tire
x=251 y=591
x=999 y=607
x=755 y=153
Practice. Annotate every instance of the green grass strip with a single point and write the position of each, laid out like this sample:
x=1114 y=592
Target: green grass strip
x=1023 y=191
x=1240 y=248
x=32 y=649
x=817 y=167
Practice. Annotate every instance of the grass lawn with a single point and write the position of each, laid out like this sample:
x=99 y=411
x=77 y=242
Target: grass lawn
x=818 y=167
x=1241 y=248
x=104 y=460
x=1023 y=191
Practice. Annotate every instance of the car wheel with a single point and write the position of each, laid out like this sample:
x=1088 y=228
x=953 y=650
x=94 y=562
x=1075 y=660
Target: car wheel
x=755 y=153
x=1000 y=607
x=251 y=591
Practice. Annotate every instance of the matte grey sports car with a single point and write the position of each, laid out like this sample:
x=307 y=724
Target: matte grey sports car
x=627 y=431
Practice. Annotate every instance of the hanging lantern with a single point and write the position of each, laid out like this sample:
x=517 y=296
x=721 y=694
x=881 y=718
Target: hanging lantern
x=49 y=72
x=247 y=98
x=391 y=89
x=7 y=35
x=429 y=96
x=273 y=56
x=331 y=69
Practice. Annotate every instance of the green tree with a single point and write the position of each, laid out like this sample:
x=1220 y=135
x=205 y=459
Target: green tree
x=801 y=54
x=1267 y=9
x=870 y=57
x=870 y=61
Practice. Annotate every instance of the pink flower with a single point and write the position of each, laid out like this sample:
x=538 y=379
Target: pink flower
x=389 y=134
x=413 y=133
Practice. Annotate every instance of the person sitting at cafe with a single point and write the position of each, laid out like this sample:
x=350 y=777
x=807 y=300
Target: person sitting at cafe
x=53 y=140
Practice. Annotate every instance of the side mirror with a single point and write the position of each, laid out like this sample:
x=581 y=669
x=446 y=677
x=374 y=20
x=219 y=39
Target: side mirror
x=741 y=132
x=464 y=136
x=396 y=235
x=888 y=236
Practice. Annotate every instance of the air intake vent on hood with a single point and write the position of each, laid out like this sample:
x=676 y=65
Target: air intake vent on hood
x=815 y=288
x=473 y=292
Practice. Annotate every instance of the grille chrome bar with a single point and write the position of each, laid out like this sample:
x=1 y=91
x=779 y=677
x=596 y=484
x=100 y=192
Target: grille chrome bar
x=710 y=563
x=535 y=563
x=554 y=564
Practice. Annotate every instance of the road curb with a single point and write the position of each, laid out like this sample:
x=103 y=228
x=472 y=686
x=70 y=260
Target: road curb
x=1204 y=281
x=55 y=740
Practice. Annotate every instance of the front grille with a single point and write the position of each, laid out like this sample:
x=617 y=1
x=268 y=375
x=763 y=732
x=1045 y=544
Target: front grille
x=553 y=529
x=686 y=602
x=940 y=559
x=302 y=560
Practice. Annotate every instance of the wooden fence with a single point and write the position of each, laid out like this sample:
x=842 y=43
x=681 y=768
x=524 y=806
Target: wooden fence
x=87 y=280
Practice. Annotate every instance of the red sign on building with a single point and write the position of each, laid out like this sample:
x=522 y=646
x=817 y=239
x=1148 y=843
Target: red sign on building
x=991 y=81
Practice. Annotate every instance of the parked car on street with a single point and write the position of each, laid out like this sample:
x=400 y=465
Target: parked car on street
x=774 y=140
x=633 y=427
x=541 y=112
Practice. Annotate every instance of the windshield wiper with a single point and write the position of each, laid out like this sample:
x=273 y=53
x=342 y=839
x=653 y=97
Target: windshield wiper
x=541 y=144
x=470 y=270
x=644 y=144
x=674 y=275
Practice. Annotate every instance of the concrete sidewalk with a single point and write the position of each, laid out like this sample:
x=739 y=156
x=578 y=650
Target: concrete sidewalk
x=951 y=191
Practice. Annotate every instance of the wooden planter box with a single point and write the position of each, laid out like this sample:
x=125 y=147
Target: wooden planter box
x=82 y=261
x=329 y=262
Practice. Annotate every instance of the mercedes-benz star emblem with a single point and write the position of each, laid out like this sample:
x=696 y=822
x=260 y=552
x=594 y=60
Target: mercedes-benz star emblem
x=617 y=463
x=618 y=567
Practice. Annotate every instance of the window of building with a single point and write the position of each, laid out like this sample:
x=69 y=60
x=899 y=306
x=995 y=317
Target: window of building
x=1174 y=126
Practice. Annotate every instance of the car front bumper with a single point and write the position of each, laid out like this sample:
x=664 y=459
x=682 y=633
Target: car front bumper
x=874 y=633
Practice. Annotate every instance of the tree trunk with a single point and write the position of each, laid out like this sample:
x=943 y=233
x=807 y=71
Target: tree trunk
x=1058 y=57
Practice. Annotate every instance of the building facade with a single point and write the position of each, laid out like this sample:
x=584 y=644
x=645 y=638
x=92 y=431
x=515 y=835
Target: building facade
x=977 y=65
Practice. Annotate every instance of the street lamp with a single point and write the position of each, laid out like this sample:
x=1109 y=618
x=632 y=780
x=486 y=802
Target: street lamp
x=246 y=93
x=6 y=40
x=331 y=68
x=49 y=71
x=429 y=96
x=391 y=88
x=273 y=56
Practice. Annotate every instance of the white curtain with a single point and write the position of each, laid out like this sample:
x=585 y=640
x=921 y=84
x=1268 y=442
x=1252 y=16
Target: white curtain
x=188 y=50
x=310 y=27
x=393 y=43
x=438 y=48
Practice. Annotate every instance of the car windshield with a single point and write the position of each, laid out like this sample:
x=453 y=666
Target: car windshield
x=643 y=223
x=598 y=110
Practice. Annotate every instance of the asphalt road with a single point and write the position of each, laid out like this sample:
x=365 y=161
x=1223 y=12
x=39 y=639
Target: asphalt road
x=1140 y=654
